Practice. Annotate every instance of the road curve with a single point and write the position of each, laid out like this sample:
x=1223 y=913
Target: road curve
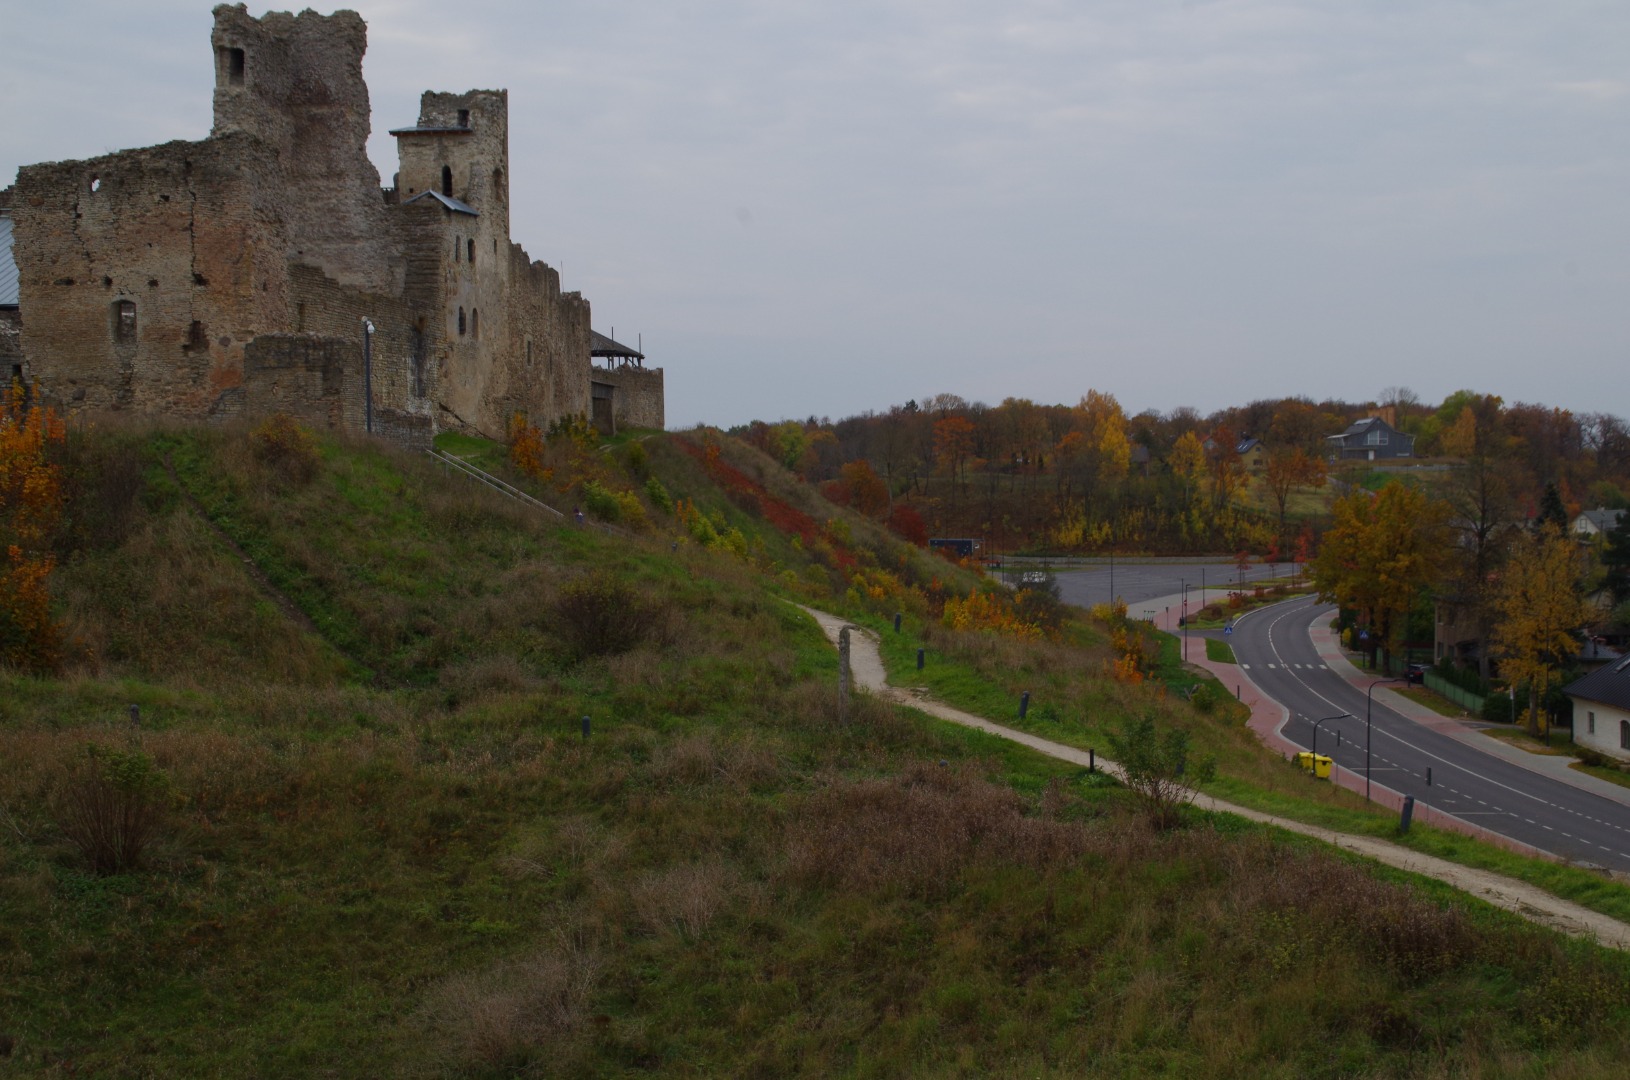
x=1277 y=651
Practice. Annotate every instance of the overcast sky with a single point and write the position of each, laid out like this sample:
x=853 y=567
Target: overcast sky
x=828 y=207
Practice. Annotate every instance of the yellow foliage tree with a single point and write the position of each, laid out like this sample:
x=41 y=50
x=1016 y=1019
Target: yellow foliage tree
x=1379 y=553
x=1538 y=610
x=1188 y=463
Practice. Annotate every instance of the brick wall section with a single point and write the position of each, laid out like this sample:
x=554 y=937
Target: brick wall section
x=637 y=397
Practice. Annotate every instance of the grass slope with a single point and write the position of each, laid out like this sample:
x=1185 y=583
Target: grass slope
x=390 y=851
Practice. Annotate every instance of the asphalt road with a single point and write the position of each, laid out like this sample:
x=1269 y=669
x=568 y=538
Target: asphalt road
x=1275 y=651
x=1140 y=580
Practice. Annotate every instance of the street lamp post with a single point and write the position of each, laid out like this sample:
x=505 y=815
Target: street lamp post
x=1185 y=619
x=1369 y=707
x=368 y=375
x=1316 y=724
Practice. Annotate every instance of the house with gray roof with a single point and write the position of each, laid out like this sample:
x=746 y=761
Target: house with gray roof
x=1596 y=522
x=1370 y=439
x=1601 y=709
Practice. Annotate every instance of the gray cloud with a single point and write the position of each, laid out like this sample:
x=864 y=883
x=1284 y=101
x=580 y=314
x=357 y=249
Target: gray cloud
x=826 y=207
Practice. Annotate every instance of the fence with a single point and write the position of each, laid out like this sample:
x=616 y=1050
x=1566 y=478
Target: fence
x=1472 y=703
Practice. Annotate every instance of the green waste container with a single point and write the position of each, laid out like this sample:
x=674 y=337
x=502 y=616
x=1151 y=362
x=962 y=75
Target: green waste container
x=1305 y=760
x=1321 y=766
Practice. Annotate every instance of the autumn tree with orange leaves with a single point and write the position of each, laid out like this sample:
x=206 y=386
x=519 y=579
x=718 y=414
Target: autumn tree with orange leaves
x=30 y=506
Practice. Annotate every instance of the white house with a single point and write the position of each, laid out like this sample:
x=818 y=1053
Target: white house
x=1601 y=709
x=1598 y=521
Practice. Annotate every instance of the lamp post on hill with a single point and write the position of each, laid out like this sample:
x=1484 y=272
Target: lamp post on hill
x=1369 y=708
x=368 y=375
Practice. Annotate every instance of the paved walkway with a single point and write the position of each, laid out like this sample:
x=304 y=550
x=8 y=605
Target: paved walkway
x=1534 y=904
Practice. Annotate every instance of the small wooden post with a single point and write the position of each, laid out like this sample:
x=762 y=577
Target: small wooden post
x=845 y=673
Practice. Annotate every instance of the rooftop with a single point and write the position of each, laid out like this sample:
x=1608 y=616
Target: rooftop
x=8 y=265
x=456 y=205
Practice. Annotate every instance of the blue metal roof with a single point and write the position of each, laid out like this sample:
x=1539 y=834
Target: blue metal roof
x=8 y=265
x=447 y=201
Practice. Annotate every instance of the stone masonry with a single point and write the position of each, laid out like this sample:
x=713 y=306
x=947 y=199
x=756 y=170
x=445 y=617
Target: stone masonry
x=237 y=275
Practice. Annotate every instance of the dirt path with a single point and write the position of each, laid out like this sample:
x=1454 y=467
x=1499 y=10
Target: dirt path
x=1531 y=903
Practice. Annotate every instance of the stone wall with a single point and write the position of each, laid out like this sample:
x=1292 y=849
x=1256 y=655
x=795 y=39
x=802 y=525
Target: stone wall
x=143 y=274
x=321 y=380
x=637 y=397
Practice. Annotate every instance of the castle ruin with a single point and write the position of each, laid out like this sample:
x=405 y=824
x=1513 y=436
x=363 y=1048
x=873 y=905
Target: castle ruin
x=266 y=269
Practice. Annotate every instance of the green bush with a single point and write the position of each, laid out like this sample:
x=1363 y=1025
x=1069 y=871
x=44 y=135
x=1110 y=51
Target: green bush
x=658 y=495
x=1157 y=768
x=601 y=615
x=111 y=804
x=1497 y=708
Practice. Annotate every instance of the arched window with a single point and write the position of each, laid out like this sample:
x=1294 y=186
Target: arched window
x=458 y=249
x=447 y=181
x=498 y=184
x=470 y=251
x=460 y=322
x=475 y=323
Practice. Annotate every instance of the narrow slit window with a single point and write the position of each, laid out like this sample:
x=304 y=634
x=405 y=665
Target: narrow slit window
x=469 y=251
x=447 y=181
x=124 y=320
x=464 y=118
x=460 y=322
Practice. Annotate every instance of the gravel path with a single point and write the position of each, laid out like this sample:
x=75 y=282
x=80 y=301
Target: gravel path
x=1534 y=904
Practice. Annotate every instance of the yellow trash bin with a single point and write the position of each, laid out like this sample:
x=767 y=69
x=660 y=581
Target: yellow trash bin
x=1321 y=766
x=1305 y=760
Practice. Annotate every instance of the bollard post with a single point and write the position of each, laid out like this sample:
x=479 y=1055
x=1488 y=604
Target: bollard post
x=844 y=673
x=1429 y=776
x=1024 y=704
x=1236 y=692
x=896 y=622
x=1092 y=760
x=585 y=727
x=1408 y=812
x=919 y=659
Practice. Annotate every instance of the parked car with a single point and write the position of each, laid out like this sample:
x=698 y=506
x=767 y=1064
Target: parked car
x=1416 y=673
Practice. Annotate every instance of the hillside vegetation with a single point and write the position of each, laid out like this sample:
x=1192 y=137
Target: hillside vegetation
x=354 y=826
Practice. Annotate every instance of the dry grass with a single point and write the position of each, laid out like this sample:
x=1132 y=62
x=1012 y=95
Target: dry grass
x=917 y=832
x=503 y=1016
x=684 y=898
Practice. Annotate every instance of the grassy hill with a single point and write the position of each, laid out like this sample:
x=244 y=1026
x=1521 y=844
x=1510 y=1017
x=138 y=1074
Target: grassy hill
x=382 y=845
